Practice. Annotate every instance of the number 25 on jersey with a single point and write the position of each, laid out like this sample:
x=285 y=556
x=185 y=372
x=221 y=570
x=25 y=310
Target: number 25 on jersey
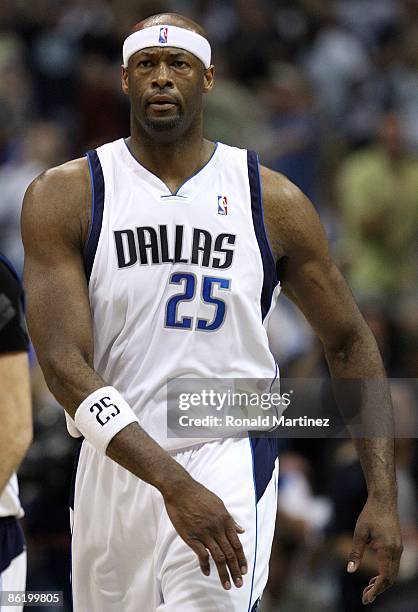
x=189 y=283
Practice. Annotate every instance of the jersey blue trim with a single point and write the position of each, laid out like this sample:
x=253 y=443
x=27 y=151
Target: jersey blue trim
x=97 y=205
x=12 y=541
x=174 y=193
x=270 y=280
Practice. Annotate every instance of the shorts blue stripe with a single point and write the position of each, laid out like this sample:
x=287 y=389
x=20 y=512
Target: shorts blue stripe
x=265 y=452
x=256 y=525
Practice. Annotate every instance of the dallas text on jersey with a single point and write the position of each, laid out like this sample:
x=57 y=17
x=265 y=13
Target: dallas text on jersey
x=148 y=245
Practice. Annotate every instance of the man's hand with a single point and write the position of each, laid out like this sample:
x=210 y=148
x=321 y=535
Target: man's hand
x=203 y=522
x=378 y=528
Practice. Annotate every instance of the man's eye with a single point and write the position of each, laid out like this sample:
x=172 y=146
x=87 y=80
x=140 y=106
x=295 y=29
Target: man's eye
x=179 y=64
x=145 y=63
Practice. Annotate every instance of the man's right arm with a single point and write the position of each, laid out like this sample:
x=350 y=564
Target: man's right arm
x=55 y=222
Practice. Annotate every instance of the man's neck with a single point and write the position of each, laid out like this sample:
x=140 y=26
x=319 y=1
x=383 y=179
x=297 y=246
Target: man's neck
x=173 y=163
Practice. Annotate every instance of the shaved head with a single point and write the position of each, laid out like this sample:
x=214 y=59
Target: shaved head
x=170 y=19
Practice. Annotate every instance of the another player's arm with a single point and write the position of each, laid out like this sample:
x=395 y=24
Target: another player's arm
x=15 y=396
x=15 y=413
x=55 y=221
x=313 y=282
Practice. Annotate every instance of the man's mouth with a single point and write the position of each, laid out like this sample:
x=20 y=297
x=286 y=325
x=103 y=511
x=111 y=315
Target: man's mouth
x=162 y=103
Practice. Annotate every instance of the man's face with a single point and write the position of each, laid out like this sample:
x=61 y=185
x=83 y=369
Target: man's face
x=165 y=87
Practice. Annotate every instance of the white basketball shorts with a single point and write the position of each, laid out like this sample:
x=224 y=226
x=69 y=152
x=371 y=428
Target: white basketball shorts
x=126 y=554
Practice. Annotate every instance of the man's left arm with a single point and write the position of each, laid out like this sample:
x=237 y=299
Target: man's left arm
x=313 y=282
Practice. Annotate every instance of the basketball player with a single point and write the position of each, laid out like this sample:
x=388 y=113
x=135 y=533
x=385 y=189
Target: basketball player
x=15 y=429
x=149 y=260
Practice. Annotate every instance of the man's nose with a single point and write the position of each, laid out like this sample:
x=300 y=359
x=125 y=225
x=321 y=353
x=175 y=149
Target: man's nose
x=162 y=76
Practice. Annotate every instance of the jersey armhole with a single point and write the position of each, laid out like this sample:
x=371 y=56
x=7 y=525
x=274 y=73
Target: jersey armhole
x=270 y=280
x=97 y=205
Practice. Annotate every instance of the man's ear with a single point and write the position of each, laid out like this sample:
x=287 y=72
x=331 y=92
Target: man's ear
x=208 y=79
x=125 y=80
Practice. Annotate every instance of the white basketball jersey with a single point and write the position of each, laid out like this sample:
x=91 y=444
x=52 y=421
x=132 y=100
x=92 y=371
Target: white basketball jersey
x=180 y=284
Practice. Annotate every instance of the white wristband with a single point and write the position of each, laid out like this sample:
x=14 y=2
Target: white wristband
x=102 y=415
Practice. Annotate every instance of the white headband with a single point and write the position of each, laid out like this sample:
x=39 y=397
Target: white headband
x=167 y=36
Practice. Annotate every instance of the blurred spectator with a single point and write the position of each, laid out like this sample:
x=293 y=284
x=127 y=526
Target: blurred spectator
x=348 y=493
x=290 y=336
x=295 y=131
x=336 y=60
x=43 y=145
x=16 y=96
x=368 y=18
x=379 y=207
x=102 y=108
x=223 y=123
x=46 y=475
x=254 y=43
x=302 y=517
x=405 y=79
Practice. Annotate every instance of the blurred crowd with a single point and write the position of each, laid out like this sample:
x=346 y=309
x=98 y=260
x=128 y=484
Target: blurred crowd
x=327 y=92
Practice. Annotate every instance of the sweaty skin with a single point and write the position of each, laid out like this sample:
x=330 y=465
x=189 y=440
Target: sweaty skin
x=55 y=222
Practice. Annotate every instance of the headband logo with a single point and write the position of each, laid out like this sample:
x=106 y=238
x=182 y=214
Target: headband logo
x=163 y=35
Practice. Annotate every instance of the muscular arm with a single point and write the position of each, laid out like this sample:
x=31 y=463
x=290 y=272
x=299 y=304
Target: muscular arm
x=15 y=413
x=315 y=285
x=55 y=221
x=54 y=227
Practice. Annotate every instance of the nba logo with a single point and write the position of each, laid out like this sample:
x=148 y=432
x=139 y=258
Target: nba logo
x=222 y=205
x=163 y=35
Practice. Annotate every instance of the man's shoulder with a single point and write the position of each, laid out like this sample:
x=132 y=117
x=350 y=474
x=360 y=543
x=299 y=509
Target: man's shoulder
x=70 y=176
x=287 y=211
x=278 y=190
x=59 y=198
